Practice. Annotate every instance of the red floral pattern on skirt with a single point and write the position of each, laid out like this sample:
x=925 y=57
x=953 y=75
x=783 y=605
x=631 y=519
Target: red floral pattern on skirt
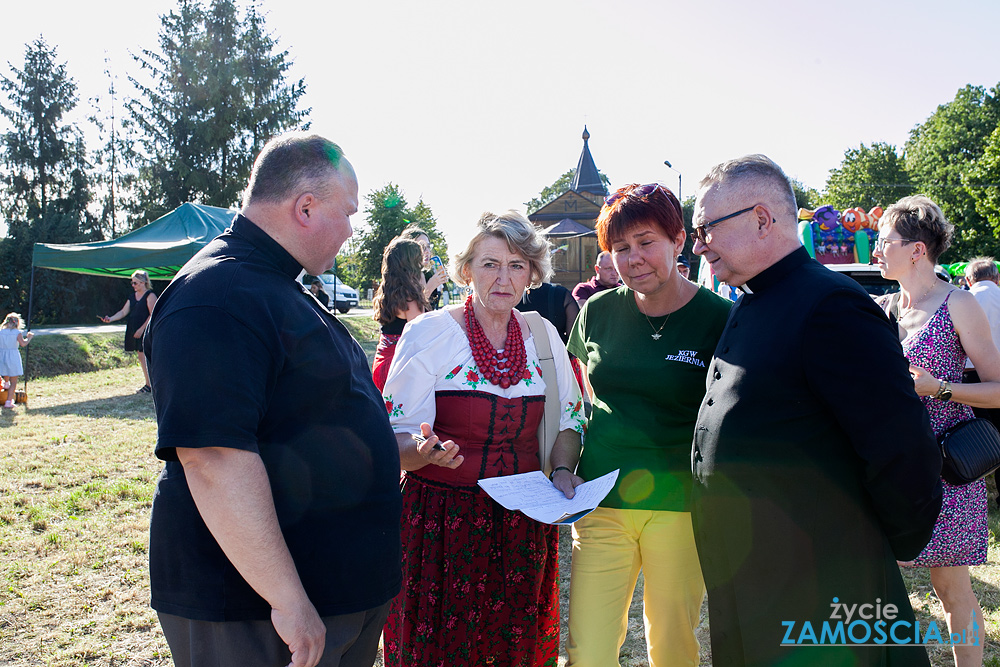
x=479 y=582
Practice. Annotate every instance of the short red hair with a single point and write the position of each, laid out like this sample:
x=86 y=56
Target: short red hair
x=627 y=211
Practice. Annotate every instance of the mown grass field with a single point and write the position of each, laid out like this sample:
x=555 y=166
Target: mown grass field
x=77 y=474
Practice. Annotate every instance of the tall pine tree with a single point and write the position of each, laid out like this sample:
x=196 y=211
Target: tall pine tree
x=46 y=184
x=216 y=93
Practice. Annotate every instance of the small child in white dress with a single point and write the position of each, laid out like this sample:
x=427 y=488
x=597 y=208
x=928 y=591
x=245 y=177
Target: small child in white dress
x=10 y=358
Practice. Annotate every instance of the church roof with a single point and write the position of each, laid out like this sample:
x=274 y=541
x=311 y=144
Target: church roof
x=587 y=178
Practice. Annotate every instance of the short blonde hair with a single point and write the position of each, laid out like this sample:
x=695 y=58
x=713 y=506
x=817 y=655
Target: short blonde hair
x=521 y=237
x=12 y=318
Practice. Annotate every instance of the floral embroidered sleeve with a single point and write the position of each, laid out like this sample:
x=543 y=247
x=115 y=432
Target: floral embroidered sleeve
x=572 y=417
x=409 y=388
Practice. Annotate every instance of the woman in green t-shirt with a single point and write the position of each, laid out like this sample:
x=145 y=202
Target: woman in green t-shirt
x=646 y=347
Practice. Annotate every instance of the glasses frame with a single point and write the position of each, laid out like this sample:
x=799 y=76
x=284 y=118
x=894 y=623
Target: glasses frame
x=881 y=243
x=700 y=233
x=639 y=192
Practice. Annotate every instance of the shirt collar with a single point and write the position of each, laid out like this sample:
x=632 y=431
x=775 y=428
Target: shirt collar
x=982 y=286
x=269 y=248
x=774 y=273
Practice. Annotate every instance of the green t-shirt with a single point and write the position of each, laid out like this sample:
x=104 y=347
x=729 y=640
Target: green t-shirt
x=647 y=393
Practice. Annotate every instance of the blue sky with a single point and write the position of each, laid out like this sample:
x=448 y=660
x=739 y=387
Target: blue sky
x=477 y=106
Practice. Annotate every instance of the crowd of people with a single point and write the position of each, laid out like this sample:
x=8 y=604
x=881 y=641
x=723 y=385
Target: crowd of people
x=742 y=471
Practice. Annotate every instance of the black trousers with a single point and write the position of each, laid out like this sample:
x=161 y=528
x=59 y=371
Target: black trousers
x=351 y=641
x=970 y=376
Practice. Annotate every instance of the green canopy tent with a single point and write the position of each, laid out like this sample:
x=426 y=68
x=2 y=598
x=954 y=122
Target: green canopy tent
x=160 y=248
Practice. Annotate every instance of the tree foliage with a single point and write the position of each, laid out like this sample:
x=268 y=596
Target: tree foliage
x=558 y=187
x=387 y=214
x=868 y=176
x=217 y=92
x=46 y=187
x=945 y=147
x=983 y=183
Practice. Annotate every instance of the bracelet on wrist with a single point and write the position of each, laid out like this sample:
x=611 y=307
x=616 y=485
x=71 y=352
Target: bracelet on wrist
x=552 y=474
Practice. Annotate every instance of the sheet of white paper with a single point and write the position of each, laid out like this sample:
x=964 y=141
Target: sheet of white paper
x=534 y=495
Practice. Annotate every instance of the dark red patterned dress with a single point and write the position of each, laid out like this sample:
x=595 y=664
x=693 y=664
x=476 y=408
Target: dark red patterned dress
x=479 y=582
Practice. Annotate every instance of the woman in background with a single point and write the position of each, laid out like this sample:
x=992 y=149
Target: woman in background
x=940 y=326
x=435 y=278
x=10 y=357
x=137 y=309
x=400 y=298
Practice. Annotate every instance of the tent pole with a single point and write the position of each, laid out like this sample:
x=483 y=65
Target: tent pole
x=27 y=351
x=31 y=296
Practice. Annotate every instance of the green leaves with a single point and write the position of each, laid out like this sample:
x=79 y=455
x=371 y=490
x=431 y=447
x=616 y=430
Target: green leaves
x=869 y=176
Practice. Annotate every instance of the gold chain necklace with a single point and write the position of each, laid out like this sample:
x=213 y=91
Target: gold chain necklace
x=913 y=304
x=656 y=332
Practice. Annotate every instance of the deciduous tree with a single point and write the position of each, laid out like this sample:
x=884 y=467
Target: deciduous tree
x=868 y=176
x=944 y=148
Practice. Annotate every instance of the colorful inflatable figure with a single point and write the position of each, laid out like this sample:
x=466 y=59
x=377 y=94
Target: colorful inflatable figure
x=827 y=217
x=854 y=219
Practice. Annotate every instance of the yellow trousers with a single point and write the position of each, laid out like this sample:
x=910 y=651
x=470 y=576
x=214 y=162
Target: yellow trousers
x=610 y=546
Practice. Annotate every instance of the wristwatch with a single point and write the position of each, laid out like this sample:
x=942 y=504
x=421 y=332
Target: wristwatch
x=944 y=391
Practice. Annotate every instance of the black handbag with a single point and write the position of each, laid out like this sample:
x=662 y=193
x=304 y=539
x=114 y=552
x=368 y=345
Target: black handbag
x=971 y=450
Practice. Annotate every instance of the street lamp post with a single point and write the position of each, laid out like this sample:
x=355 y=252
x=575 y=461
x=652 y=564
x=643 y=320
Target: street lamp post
x=680 y=198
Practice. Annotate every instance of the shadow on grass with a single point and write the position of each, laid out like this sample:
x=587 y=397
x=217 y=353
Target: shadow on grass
x=127 y=406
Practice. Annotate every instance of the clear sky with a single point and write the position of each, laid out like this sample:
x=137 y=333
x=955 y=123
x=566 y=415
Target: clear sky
x=477 y=106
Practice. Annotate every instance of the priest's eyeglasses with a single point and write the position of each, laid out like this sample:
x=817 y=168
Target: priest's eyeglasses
x=702 y=232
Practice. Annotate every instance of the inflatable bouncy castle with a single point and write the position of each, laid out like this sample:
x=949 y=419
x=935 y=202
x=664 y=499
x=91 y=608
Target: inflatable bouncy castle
x=839 y=237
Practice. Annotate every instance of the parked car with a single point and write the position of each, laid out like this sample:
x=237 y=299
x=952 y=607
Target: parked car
x=342 y=297
x=868 y=276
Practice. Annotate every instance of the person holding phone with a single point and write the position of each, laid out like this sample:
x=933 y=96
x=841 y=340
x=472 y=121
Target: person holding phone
x=137 y=309
x=435 y=274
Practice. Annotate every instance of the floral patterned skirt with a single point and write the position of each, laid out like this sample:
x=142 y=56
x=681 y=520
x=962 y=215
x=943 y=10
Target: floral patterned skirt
x=479 y=583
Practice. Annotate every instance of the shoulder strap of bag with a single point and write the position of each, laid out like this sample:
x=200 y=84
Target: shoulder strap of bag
x=548 y=429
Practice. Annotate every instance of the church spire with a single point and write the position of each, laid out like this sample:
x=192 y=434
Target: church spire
x=587 y=178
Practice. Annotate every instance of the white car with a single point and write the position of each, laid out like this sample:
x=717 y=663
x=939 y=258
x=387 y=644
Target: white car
x=342 y=297
x=868 y=276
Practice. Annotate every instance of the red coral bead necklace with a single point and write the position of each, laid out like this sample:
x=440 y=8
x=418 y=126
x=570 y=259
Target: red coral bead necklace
x=505 y=367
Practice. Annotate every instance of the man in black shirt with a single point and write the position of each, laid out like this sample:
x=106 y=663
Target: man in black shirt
x=814 y=473
x=274 y=536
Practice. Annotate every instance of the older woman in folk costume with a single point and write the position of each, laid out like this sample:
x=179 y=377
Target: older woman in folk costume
x=479 y=581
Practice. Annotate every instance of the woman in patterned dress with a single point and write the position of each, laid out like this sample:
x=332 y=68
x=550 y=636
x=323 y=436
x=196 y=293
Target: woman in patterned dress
x=479 y=581
x=939 y=327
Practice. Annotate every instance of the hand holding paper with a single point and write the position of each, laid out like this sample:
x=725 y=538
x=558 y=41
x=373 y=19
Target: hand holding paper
x=535 y=496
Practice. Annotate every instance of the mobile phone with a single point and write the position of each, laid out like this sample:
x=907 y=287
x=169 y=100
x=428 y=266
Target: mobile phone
x=438 y=264
x=421 y=439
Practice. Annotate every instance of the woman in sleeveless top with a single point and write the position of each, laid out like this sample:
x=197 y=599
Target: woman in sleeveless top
x=399 y=298
x=479 y=580
x=940 y=326
x=137 y=309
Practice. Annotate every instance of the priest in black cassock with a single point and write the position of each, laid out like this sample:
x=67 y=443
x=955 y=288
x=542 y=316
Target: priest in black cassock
x=815 y=465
